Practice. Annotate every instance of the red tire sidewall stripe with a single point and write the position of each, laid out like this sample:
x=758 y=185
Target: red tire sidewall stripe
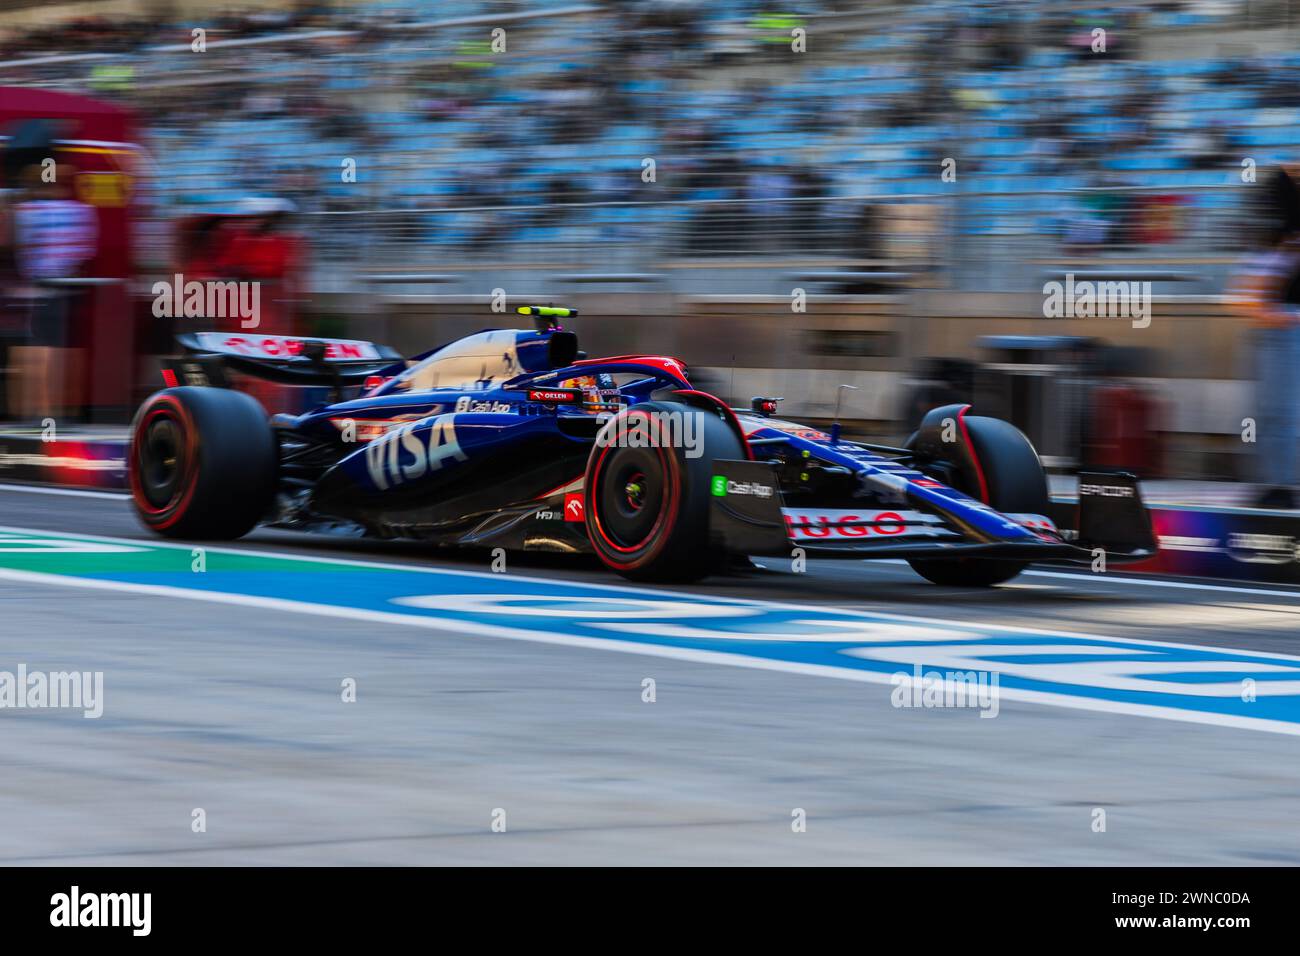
x=974 y=455
x=727 y=413
x=667 y=514
x=174 y=510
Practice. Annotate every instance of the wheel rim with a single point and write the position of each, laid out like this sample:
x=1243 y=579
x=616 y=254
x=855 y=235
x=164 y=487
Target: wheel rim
x=161 y=459
x=631 y=497
x=634 y=492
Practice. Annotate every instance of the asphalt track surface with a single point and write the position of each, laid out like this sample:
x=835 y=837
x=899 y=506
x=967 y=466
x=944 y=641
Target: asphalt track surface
x=236 y=709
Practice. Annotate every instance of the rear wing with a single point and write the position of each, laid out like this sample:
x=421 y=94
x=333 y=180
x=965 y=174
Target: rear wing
x=207 y=357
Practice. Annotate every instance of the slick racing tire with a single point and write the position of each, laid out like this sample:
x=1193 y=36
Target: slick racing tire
x=202 y=463
x=647 y=508
x=1016 y=484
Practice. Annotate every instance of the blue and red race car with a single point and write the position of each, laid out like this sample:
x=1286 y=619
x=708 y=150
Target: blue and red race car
x=513 y=438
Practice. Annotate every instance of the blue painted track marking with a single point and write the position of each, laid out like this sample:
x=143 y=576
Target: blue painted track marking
x=1231 y=687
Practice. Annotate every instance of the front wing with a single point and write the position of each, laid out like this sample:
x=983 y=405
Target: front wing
x=749 y=516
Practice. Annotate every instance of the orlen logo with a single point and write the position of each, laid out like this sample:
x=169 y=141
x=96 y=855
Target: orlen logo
x=284 y=346
x=575 y=508
x=553 y=396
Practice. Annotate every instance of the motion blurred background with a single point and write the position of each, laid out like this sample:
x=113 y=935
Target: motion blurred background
x=789 y=197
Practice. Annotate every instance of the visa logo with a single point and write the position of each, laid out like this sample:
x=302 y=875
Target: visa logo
x=400 y=455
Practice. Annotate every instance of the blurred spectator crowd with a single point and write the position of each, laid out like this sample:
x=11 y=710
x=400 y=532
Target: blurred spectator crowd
x=702 y=123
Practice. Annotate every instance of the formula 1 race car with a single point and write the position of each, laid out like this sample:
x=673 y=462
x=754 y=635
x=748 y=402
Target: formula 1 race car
x=515 y=439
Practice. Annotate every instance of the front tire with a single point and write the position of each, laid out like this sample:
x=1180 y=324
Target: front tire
x=202 y=463
x=647 y=497
x=1016 y=484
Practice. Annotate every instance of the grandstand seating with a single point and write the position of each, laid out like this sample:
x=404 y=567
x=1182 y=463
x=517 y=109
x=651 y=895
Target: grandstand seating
x=867 y=113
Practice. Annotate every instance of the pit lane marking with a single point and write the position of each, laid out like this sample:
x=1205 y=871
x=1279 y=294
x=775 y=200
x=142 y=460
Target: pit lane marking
x=1103 y=579
x=860 y=646
x=1157 y=583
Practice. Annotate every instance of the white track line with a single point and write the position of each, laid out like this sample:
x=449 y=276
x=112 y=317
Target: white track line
x=622 y=589
x=71 y=492
x=731 y=659
x=727 y=659
x=1161 y=583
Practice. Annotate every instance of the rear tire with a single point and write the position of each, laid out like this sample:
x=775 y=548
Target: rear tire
x=1016 y=484
x=647 y=508
x=203 y=463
